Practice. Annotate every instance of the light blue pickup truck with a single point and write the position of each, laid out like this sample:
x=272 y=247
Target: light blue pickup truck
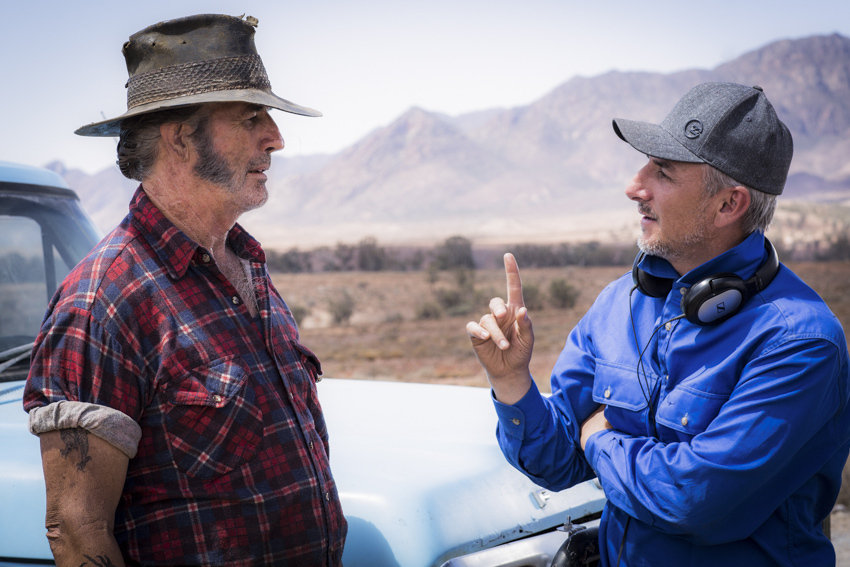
x=422 y=480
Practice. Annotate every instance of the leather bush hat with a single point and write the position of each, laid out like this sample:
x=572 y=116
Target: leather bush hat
x=193 y=60
x=731 y=127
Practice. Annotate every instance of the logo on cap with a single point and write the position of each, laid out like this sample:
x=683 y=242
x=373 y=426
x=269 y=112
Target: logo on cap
x=693 y=129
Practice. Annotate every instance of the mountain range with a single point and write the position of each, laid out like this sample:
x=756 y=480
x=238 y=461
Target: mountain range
x=552 y=170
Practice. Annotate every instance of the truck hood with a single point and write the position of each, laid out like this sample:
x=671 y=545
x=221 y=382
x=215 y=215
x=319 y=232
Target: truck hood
x=422 y=479
x=420 y=476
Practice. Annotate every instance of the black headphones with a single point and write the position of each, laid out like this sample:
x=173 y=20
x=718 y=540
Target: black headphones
x=715 y=298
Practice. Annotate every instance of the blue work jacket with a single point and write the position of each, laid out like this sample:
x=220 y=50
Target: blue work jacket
x=727 y=441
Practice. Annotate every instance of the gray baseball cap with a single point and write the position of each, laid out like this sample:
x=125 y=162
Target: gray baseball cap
x=731 y=127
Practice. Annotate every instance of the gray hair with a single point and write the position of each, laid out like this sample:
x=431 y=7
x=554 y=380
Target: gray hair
x=762 y=205
x=139 y=139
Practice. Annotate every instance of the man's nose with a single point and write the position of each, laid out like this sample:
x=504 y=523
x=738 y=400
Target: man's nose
x=272 y=141
x=636 y=189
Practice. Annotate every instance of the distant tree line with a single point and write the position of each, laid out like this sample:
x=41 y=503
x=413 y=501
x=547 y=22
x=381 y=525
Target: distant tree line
x=454 y=253
x=457 y=252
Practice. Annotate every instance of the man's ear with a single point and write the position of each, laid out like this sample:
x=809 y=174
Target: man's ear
x=175 y=139
x=734 y=203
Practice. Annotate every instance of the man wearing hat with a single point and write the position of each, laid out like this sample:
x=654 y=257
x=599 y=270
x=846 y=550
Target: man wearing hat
x=176 y=407
x=707 y=390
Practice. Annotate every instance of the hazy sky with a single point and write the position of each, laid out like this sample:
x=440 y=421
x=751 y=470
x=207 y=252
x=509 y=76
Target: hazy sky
x=363 y=63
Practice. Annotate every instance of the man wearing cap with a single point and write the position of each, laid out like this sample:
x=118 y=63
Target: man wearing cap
x=707 y=390
x=176 y=407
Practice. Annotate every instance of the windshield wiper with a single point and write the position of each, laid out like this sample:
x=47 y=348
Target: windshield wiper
x=14 y=355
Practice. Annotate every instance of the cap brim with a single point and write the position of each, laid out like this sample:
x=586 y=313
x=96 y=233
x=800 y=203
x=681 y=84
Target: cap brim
x=653 y=140
x=112 y=126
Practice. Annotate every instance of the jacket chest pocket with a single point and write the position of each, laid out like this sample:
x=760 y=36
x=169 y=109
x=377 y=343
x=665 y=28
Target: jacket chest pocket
x=616 y=386
x=213 y=423
x=689 y=411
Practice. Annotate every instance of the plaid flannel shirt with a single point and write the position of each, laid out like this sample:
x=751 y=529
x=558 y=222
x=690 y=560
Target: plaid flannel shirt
x=232 y=467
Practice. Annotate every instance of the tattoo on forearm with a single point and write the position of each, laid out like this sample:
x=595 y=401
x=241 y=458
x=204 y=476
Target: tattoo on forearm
x=76 y=440
x=99 y=561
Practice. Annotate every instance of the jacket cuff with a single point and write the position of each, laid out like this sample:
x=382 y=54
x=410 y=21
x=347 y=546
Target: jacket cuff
x=523 y=417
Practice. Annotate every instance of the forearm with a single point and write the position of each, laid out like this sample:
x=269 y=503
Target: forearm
x=536 y=438
x=84 y=477
x=76 y=543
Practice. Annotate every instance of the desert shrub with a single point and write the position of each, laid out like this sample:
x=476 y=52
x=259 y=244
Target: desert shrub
x=428 y=310
x=563 y=294
x=454 y=301
x=299 y=312
x=533 y=297
x=394 y=317
x=341 y=307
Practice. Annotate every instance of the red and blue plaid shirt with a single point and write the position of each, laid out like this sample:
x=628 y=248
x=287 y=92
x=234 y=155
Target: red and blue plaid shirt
x=232 y=467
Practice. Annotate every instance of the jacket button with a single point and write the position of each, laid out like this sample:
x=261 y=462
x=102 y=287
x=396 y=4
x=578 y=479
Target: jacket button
x=515 y=421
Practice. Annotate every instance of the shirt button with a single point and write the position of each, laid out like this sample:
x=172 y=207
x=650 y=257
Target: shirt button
x=206 y=258
x=328 y=496
x=683 y=290
x=685 y=420
x=607 y=392
x=310 y=445
x=668 y=325
x=235 y=300
x=217 y=399
x=516 y=421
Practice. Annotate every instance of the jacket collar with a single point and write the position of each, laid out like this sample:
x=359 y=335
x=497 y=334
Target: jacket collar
x=742 y=260
x=175 y=250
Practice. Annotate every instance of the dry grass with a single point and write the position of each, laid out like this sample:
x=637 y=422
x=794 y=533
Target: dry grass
x=385 y=341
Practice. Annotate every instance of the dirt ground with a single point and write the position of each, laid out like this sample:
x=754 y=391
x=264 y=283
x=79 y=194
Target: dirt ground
x=840 y=534
x=385 y=338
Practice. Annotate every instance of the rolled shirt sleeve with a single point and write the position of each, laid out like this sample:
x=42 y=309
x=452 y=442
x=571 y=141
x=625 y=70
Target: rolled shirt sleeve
x=114 y=427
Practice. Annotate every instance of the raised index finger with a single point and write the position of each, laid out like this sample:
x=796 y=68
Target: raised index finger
x=515 y=298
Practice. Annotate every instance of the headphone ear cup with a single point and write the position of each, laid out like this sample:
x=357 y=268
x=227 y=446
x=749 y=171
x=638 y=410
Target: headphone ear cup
x=714 y=299
x=650 y=285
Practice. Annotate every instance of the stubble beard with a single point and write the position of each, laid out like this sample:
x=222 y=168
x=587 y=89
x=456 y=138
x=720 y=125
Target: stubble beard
x=672 y=250
x=213 y=167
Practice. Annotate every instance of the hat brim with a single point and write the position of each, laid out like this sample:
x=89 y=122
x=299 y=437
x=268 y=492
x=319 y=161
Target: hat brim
x=112 y=126
x=653 y=140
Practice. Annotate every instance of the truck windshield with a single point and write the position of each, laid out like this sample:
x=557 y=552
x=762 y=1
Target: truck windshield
x=41 y=240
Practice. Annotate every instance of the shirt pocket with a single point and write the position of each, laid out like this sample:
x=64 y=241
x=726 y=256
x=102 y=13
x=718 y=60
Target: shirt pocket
x=616 y=386
x=688 y=410
x=213 y=423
